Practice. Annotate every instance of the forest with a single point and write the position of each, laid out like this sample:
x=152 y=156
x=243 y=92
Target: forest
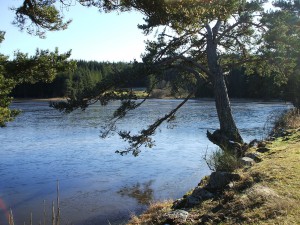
x=85 y=75
x=88 y=73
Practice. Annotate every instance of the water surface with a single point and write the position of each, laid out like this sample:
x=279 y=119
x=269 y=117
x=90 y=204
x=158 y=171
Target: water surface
x=97 y=185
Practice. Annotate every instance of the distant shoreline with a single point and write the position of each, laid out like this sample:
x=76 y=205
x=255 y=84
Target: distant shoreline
x=233 y=100
x=38 y=99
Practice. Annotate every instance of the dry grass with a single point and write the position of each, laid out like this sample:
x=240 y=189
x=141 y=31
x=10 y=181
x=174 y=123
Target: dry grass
x=140 y=94
x=55 y=216
x=268 y=192
x=153 y=215
x=281 y=170
x=286 y=121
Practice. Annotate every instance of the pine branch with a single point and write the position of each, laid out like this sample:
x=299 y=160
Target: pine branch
x=144 y=137
x=121 y=112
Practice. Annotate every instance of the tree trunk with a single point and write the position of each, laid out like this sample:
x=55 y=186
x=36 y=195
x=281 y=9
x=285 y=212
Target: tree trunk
x=228 y=136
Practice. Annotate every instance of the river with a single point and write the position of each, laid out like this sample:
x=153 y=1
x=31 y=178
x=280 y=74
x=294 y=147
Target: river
x=98 y=186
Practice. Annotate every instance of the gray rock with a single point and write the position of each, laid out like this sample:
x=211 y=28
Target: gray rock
x=199 y=194
x=255 y=156
x=202 y=193
x=176 y=217
x=206 y=219
x=262 y=144
x=253 y=143
x=263 y=149
x=179 y=203
x=219 y=180
x=231 y=185
x=195 y=198
x=192 y=201
x=246 y=161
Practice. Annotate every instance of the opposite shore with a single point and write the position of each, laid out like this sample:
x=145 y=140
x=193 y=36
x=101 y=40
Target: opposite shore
x=167 y=98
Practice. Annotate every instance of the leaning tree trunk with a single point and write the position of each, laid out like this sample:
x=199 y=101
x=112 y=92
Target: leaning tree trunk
x=228 y=136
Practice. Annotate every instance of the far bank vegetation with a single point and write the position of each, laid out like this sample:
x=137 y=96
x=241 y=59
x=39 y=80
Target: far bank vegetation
x=88 y=73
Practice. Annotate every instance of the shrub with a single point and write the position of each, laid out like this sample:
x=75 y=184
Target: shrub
x=221 y=160
x=288 y=120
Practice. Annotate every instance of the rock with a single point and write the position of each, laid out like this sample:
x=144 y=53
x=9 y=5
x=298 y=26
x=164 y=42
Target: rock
x=262 y=144
x=198 y=195
x=217 y=208
x=219 y=180
x=176 y=217
x=255 y=156
x=231 y=185
x=287 y=133
x=192 y=201
x=202 y=194
x=260 y=191
x=203 y=181
x=253 y=143
x=286 y=138
x=246 y=161
x=206 y=219
x=263 y=149
x=179 y=203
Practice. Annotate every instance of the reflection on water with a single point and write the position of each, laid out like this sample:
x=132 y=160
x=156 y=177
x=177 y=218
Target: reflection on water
x=97 y=185
x=143 y=193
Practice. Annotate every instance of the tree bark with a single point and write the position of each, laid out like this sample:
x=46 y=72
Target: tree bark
x=228 y=136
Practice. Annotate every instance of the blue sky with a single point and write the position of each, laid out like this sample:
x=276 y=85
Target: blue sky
x=91 y=35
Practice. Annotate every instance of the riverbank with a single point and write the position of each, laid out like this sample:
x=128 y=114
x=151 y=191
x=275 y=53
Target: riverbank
x=38 y=99
x=142 y=95
x=267 y=192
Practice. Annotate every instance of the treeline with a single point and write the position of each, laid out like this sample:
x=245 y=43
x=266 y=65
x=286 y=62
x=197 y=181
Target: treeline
x=239 y=84
x=242 y=85
x=88 y=73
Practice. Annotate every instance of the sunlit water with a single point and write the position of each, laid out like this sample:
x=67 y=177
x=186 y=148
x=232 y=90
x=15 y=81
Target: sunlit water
x=98 y=186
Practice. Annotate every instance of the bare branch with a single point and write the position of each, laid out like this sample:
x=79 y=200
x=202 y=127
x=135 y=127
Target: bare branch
x=185 y=59
x=209 y=31
x=199 y=77
x=226 y=31
x=216 y=29
x=197 y=64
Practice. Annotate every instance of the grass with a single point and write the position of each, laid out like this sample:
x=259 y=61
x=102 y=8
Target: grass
x=140 y=94
x=55 y=216
x=153 y=215
x=288 y=120
x=281 y=170
x=267 y=193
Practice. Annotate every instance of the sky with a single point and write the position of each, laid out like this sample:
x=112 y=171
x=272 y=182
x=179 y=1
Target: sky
x=91 y=35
